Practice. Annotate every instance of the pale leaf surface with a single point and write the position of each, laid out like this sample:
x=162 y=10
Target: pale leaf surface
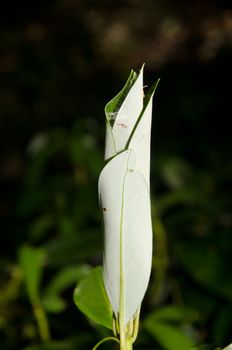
x=124 y=197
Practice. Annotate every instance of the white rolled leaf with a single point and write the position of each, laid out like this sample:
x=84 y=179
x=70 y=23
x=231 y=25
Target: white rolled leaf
x=141 y=141
x=121 y=120
x=125 y=201
x=229 y=347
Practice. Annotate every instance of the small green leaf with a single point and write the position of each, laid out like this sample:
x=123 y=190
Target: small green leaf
x=90 y=297
x=31 y=263
x=117 y=101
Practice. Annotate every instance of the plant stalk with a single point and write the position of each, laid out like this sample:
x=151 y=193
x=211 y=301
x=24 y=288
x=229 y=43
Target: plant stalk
x=126 y=344
x=129 y=333
x=41 y=320
x=129 y=345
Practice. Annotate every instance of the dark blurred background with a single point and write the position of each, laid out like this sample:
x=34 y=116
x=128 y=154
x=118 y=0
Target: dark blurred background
x=60 y=62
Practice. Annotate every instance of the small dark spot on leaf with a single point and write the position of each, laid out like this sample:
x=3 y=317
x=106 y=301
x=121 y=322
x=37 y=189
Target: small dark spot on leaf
x=124 y=126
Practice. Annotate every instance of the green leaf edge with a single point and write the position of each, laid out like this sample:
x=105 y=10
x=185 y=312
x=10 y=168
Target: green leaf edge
x=117 y=101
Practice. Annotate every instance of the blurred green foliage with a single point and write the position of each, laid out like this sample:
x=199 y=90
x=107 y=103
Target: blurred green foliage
x=61 y=61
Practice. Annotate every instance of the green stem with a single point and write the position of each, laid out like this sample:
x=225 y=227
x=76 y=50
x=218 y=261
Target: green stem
x=129 y=345
x=104 y=340
x=129 y=334
x=126 y=344
x=41 y=320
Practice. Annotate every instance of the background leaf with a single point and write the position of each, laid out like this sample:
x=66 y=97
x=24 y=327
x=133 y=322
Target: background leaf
x=169 y=327
x=52 y=295
x=31 y=260
x=53 y=303
x=170 y=337
x=66 y=278
x=208 y=269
